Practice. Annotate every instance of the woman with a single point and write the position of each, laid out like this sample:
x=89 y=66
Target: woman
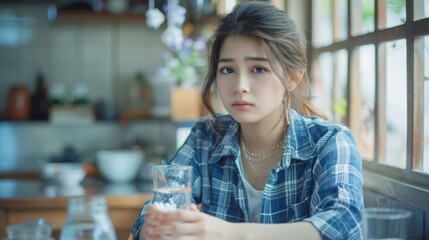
x=272 y=158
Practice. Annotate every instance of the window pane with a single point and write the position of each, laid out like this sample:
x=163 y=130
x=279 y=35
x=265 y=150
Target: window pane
x=426 y=121
x=391 y=13
x=393 y=109
x=340 y=87
x=421 y=9
x=362 y=16
x=329 y=85
x=421 y=105
x=322 y=76
x=362 y=99
x=340 y=20
x=322 y=23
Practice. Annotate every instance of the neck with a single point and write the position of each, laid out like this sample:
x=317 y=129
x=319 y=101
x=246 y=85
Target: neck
x=263 y=135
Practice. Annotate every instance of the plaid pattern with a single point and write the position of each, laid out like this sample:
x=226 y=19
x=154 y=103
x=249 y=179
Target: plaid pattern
x=319 y=178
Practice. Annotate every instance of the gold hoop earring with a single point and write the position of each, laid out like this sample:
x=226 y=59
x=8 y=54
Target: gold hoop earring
x=287 y=106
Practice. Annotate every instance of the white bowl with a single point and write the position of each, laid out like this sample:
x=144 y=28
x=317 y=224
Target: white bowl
x=119 y=166
x=67 y=174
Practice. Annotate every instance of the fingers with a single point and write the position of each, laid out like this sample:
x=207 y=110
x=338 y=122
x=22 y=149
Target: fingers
x=194 y=208
x=181 y=215
x=153 y=215
x=181 y=229
x=187 y=229
x=152 y=221
x=182 y=221
x=149 y=233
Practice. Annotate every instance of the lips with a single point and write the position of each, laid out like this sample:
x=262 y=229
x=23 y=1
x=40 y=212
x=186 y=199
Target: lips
x=240 y=104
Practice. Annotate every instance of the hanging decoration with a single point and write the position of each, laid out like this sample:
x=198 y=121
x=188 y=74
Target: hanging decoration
x=154 y=17
x=173 y=34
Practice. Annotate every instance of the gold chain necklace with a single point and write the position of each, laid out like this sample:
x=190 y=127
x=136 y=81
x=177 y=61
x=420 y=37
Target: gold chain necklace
x=255 y=157
x=253 y=168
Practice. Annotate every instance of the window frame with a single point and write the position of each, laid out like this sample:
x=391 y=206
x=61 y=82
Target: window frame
x=388 y=180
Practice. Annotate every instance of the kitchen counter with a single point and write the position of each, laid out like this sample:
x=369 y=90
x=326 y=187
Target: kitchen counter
x=27 y=199
x=37 y=188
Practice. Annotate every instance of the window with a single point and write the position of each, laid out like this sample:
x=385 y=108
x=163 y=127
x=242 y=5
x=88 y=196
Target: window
x=362 y=99
x=362 y=17
x=370 y=71
x=421 y=104
x=330 y=84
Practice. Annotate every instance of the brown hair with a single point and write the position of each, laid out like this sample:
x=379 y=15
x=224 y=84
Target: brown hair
x=283 y=44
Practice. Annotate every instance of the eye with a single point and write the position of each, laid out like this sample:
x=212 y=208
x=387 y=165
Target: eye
x=226 y=70
x=259 y=69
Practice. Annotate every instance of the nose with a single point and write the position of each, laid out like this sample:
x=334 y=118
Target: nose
x=242 y=85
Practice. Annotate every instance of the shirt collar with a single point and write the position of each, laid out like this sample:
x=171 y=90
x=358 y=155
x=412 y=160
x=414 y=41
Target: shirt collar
x=298 y=143
x=229 y=144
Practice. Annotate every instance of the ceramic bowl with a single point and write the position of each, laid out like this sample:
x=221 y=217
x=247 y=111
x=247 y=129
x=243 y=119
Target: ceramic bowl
x=66 y=174
x=119 y=166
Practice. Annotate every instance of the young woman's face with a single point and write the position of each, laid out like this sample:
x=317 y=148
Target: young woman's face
x=246 y=83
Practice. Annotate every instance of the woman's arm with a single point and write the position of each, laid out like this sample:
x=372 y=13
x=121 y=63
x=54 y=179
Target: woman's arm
x=296 y=230
x=337 y=200
x=202 y=226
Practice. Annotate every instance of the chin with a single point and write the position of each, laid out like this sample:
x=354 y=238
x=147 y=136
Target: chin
x=242 y=118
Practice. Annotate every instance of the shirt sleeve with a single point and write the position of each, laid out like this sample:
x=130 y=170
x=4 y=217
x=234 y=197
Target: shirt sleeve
x=140 y=220
x=337 y=199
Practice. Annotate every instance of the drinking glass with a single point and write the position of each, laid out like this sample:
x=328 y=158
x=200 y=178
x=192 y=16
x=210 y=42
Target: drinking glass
x=385 y=223
x=172 y=185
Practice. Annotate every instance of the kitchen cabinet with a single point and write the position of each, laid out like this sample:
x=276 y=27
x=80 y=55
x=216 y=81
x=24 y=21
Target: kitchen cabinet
x=81 y=12
x=104 y=17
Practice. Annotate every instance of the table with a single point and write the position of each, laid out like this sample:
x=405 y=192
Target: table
x=27 y=199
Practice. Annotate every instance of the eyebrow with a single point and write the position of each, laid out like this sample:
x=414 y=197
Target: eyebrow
x=262 y=59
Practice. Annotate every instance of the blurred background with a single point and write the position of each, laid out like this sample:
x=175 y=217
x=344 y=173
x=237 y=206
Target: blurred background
x=81 y=76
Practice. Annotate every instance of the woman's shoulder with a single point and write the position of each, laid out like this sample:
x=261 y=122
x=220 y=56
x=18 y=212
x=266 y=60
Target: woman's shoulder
x=320 y=129
x=323 y=124
x=313 y=135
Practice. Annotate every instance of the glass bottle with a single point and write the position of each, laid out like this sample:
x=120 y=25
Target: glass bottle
x=40 y=100
x=88 y=219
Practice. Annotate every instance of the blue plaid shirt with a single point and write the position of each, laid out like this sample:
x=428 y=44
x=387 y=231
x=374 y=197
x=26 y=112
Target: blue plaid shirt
x=318 y=180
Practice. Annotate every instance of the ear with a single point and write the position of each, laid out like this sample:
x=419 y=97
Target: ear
x=295 y=80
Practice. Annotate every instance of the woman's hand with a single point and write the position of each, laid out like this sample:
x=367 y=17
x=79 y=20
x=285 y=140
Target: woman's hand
x=153 y=221
x=148 y=231
x=190 y=225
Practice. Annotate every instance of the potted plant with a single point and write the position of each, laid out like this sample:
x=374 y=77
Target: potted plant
x=185 y=66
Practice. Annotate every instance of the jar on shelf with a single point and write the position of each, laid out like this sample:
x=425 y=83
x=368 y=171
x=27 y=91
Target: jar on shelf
x=88 y=218
x=19 y=103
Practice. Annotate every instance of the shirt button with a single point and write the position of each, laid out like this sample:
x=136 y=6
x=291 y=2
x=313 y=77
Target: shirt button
x=277 y=170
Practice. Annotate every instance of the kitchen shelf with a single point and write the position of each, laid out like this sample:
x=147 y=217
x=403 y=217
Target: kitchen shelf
x=98 y=17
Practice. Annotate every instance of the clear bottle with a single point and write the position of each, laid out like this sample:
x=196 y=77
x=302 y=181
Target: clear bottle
x=88 y=219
